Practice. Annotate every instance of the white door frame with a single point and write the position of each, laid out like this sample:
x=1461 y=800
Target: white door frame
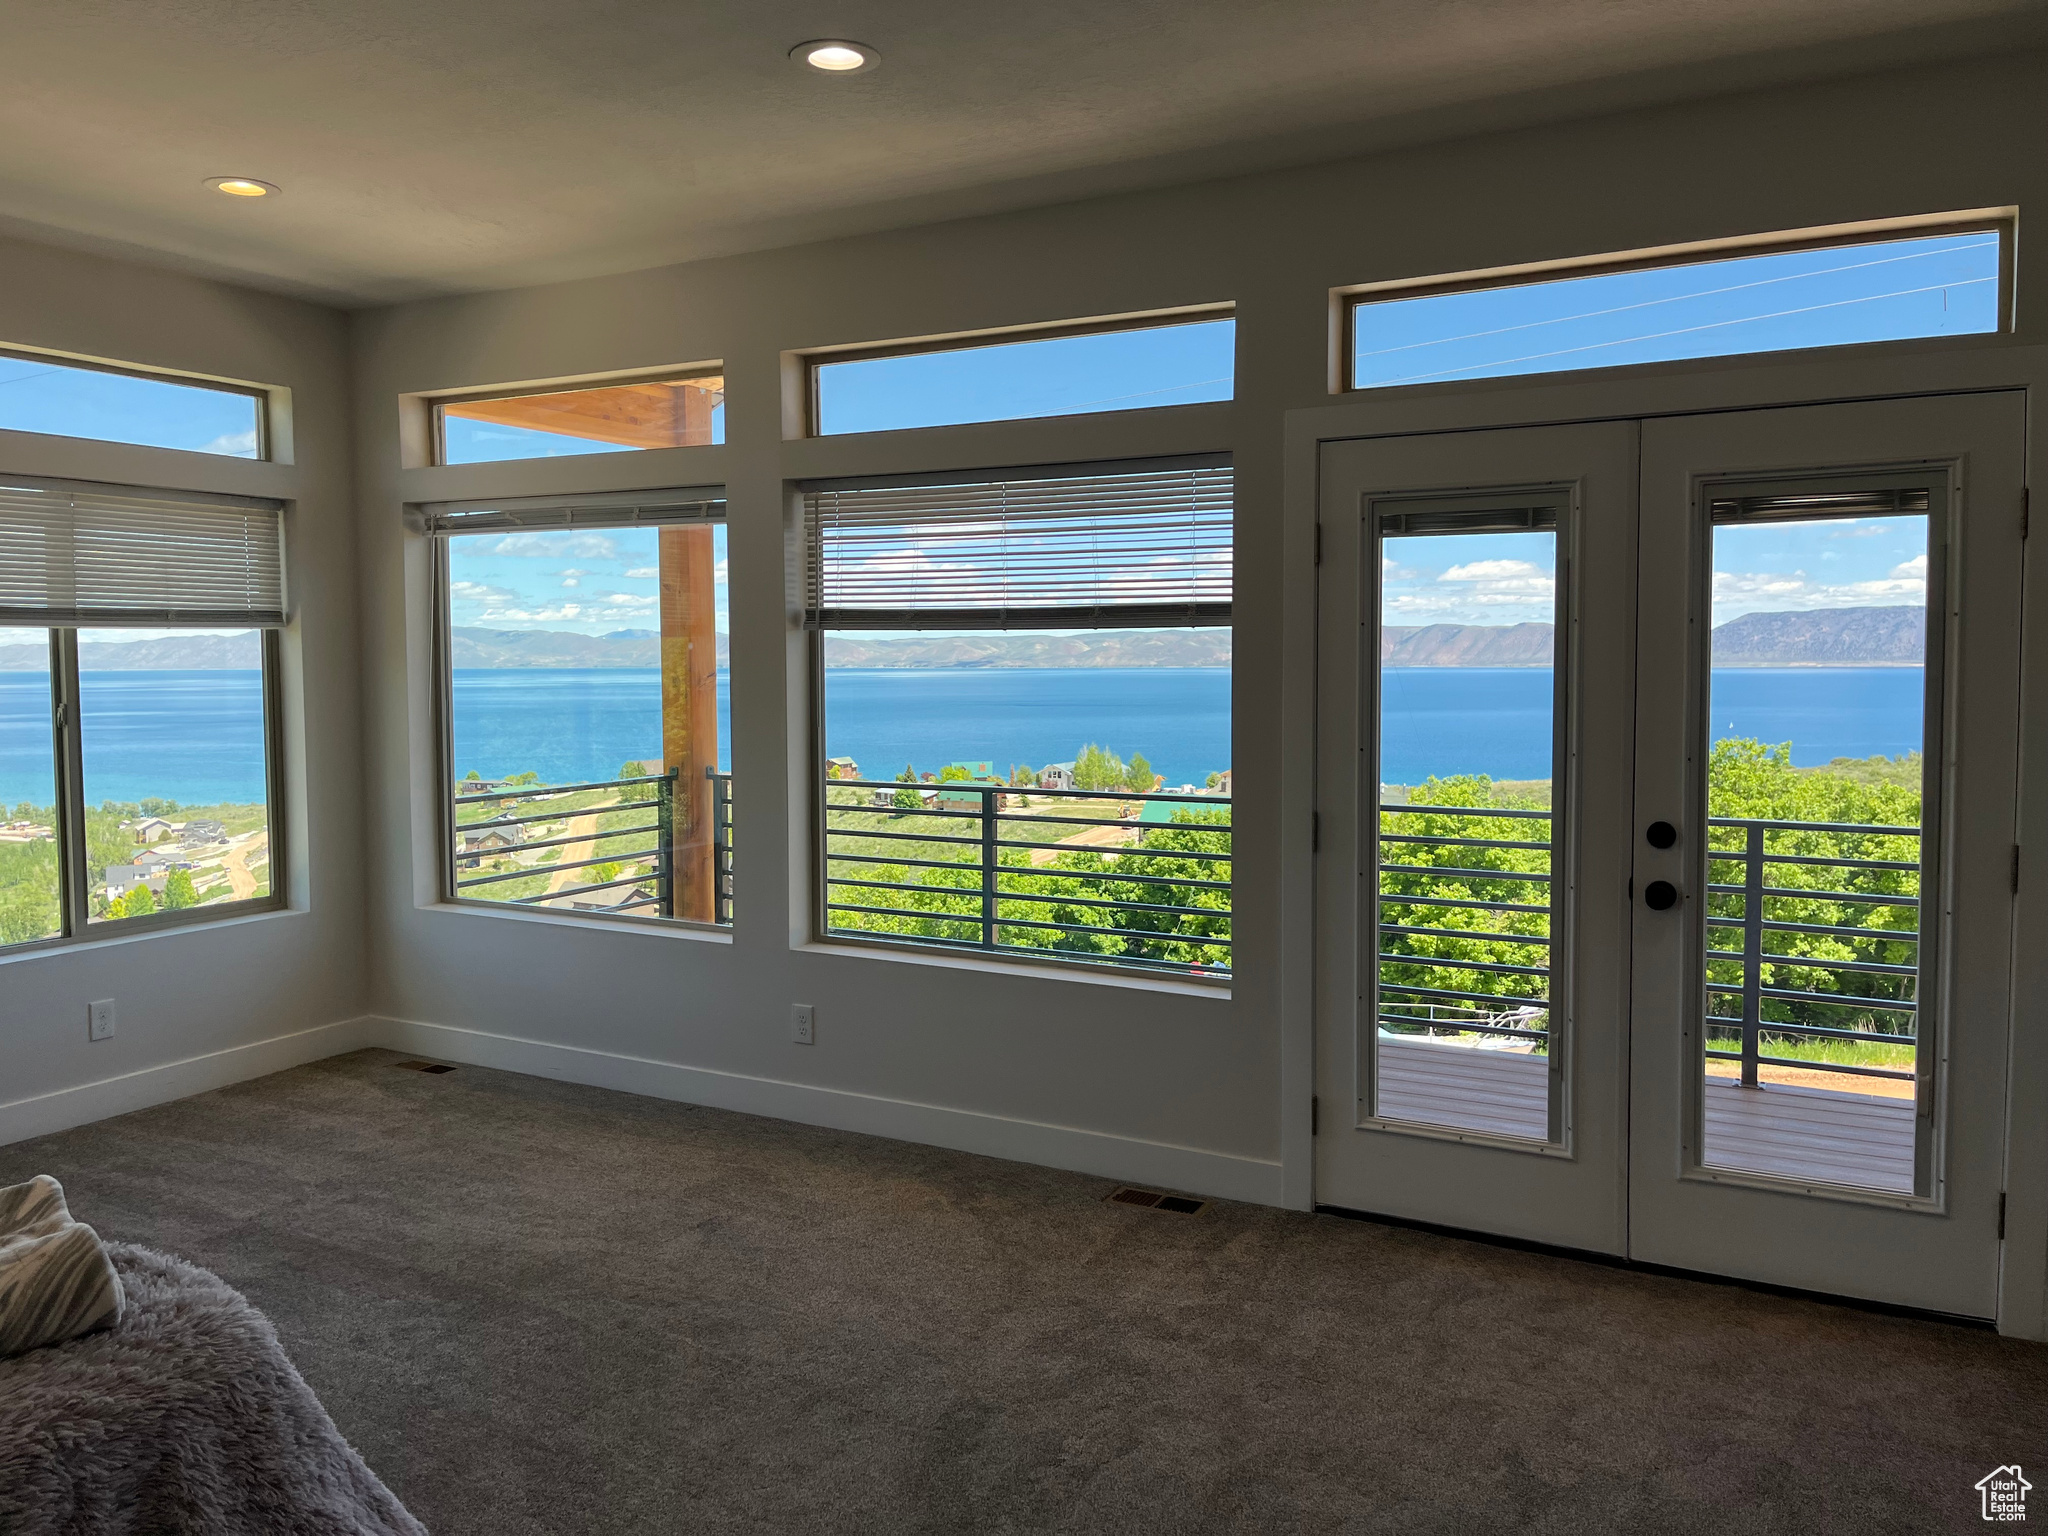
x=1833 y=374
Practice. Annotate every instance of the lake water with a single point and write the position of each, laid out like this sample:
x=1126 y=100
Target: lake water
x=197 y=736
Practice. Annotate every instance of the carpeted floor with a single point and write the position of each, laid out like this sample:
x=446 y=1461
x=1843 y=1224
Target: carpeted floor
x=540 y=1308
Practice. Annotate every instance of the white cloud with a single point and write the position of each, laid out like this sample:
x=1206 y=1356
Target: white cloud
x=480 y=592
x=576 y=546
x=1738 y=592
x=572 y=577
x=240 y=445
x=647 y=573
x=1734 y=586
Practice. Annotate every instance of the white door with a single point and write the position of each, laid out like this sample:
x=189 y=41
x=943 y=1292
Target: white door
x=1472 y=964
x=1612 y=953
x=1820 y=1011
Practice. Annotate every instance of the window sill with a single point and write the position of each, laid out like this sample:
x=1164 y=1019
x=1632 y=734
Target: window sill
x=660 y=928
x=98 y=938
x=1084 y=973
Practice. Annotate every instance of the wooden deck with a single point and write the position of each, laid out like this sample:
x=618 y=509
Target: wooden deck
x=1798 y=1133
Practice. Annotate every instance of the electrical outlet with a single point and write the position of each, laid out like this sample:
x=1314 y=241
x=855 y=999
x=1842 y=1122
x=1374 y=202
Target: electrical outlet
x=803 y=1024
x=100 y=1019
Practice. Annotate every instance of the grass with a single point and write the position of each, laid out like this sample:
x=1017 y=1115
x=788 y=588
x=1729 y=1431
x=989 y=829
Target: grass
x=1838 y=1053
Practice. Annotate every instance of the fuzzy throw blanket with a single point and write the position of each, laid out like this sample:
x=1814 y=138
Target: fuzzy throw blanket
x=184 y=1419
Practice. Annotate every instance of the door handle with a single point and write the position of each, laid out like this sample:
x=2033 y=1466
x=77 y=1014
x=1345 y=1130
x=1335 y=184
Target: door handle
x=1660 y=895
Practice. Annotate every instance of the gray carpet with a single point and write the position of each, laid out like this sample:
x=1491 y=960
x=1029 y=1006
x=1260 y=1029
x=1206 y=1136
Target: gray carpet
x=539 y=1308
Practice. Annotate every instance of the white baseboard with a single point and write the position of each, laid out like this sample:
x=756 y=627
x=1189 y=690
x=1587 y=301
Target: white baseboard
x=1123 y=1158
x=67 y=1107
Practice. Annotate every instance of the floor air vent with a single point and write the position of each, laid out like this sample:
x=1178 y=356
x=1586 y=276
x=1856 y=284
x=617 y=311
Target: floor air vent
x=1152 y=1199
x=425 y=1066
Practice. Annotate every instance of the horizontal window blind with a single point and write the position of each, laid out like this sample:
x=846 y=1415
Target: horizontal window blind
x=620 y=510
x=108 y=556
x=1127 y=547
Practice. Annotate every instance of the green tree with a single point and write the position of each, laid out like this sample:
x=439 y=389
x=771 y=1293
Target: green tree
x=1100 y=769
x=632 y=770
x=907 y=799
x=529 y=777
x=179 y=892
x=472 y=777
x=1139 y=775
x=603 y=874
x=953 y=773
x=137 y=903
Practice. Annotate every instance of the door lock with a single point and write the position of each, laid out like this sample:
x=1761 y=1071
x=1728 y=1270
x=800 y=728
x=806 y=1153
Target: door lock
x=1660 y=895
x=1660 y=834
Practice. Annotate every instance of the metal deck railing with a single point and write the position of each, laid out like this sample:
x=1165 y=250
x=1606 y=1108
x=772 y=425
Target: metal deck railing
x=1480 y=878
x=1867 y=995
x=972 y=866
x=1858 y=990
x=648 y=842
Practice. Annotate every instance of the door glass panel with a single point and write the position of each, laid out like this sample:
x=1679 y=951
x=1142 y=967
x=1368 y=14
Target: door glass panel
x=31 y=888
x=1468 y=713
x=1814 y=784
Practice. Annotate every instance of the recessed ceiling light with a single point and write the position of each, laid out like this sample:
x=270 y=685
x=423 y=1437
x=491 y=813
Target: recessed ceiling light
x=242 y=186
x=835 y=55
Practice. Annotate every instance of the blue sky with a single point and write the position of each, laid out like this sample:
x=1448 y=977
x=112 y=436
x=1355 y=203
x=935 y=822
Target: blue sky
x=84 y=402
x=593 y=581
x=1058 y=376
x=1943 y=285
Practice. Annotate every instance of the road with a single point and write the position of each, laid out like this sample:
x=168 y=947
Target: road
x=575 y=853
x=242 y=881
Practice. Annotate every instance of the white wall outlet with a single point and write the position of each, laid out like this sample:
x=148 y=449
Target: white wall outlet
x=99 y=1019
x=803 y=1024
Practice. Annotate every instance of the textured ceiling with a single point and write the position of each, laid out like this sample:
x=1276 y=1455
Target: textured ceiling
x=434 y=146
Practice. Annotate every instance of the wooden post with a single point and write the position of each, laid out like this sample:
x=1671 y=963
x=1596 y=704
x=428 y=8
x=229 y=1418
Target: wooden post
x=689 y=709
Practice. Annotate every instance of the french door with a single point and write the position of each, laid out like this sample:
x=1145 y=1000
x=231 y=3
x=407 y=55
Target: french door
x=1666 y=784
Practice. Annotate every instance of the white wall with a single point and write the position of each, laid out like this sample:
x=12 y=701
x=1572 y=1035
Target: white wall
x=208 y=1004
x=1088 y=1072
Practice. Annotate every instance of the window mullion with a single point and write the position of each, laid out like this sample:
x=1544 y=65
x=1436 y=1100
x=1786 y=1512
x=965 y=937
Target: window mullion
x=65 y=701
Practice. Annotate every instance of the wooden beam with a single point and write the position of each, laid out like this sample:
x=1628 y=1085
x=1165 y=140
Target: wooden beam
x=689 y=708
x=665 y=413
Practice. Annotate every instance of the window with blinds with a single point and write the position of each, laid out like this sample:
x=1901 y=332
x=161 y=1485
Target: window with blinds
x=111 y=556
x=139 y=669
x=1116 y=548
x=1046 y=655
x=587 y=703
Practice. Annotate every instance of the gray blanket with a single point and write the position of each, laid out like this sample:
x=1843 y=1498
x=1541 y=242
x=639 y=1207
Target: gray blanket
x=186 y=1417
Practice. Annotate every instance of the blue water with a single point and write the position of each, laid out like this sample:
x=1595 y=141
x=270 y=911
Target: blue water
x=568 y=726
x=196 y=737
x=1178 y=718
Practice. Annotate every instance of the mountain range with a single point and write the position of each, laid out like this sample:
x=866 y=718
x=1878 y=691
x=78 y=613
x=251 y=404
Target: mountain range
x=1838 y=637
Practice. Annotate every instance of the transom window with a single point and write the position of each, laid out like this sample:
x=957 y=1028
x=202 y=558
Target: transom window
x=680 y=411
x=1946 y=283
x=1131 y=365
x=116 y=405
